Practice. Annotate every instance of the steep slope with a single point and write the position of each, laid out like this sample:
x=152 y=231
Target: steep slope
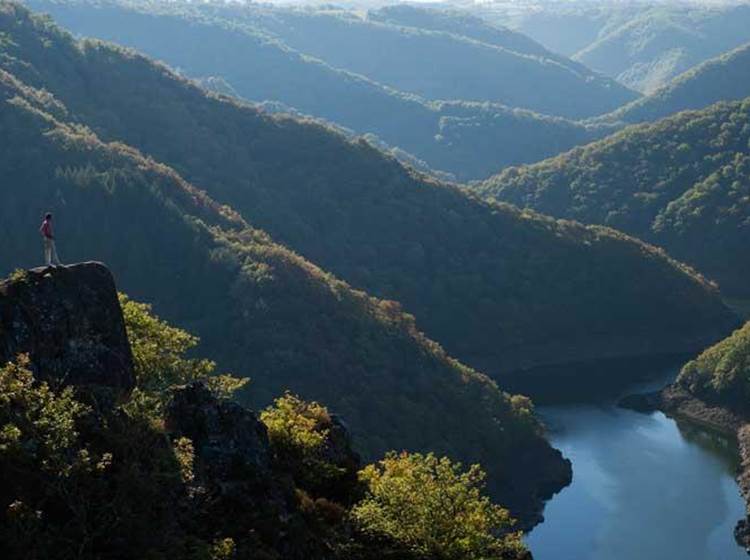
x=198 y=476
x=563 y=27
x=468 y=140
x=463 y=24
x=69 y=325
x=681 y=183
x=725 y=78
x=501 y=289
x=432 y=64
x=259 y=308
x=656 y=45
x=722 y=372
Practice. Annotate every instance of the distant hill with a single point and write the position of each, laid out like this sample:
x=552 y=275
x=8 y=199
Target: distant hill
x=464 y=24
x=469 y=140
x=562 y=27
x=260 y=309
x=644 y=45
x=433 y=64
x=647 y=51
x=682 y=183
x=724 y=78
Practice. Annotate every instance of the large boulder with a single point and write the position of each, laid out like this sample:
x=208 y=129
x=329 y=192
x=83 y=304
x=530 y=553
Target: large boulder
x=69 y=322
x=235 y=490
x=226 y=436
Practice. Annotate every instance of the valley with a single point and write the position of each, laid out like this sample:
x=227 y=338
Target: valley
x=374 y=281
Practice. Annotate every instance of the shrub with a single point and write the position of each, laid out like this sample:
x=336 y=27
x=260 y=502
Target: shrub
x=159 y=352
x=298 y=432
x=434 y=508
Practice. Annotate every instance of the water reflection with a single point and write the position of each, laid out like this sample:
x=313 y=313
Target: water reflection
x=644 y=488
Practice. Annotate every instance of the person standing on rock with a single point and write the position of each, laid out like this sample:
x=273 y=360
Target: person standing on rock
x=50 y=250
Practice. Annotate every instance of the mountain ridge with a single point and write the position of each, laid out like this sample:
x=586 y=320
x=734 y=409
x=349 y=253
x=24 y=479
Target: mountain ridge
x=470 y=140
x=679 y=183
x=724 y=78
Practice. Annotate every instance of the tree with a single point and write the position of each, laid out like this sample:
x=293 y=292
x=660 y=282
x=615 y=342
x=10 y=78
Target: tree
x=435 y=508
x=299 y=433
x=159 y=352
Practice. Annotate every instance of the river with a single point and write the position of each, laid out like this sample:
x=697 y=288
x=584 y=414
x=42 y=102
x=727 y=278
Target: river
x=644 y=487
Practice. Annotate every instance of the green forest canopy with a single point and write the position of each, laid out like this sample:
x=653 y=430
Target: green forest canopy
x=682 y=183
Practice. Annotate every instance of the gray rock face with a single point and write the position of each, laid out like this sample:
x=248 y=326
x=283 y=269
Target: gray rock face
x=236 y=489
x=69 y=321
x=226 y=436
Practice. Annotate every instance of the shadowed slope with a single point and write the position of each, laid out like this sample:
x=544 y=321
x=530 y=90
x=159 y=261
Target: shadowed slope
x=681 y=183
x=259 y=308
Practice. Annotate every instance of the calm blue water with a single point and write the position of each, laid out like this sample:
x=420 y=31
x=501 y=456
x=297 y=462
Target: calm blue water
x=643 y=488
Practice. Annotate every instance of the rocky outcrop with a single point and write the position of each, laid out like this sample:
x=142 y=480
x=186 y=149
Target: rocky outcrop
x=678 y=402
x=225 y=435
x=538 y=472
x=233 y=485
x=68 y=320
x=236 y=486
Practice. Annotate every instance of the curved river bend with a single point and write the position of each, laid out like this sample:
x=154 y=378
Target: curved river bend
x=644 y=488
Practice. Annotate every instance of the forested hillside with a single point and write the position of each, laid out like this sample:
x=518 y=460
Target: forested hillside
x=644 y=45
x=261 y=310
x=118 y=444
x=682 y=183
x=722 y=372
x=464 y=24
x=433 y=63
x=501 y=289
x=564 y=28
x=724 y=78
x=469 y=140
x=658 y=44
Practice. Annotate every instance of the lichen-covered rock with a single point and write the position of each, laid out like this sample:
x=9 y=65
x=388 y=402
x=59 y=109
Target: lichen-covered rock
x=69 y=321
x=235 y=491
x=226 y=436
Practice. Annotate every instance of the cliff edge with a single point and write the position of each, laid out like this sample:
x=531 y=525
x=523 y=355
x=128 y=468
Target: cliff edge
x=69 y=322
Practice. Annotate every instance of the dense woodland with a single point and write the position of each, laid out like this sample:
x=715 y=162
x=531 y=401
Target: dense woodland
x=681 y=183
x=151 y=475
x=463 y=24
x=293 y=204
x=721 y=374
x=396 y=56
x=724 y=78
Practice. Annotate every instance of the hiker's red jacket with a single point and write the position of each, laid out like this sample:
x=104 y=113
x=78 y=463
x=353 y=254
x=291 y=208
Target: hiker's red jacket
x=46 y=229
